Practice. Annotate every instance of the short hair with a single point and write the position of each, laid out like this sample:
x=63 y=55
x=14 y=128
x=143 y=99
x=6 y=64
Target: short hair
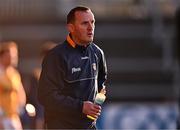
x=71 y=14
x=5 y=46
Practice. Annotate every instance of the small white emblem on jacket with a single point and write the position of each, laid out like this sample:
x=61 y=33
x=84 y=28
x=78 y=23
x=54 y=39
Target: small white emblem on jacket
x=94 y=66
x=75 y=70
x=84 y=58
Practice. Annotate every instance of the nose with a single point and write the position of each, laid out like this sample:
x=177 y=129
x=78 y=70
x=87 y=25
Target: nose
x=90 y=26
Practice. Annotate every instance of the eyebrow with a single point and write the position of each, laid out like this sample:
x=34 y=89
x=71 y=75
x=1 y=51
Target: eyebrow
x=88 y=21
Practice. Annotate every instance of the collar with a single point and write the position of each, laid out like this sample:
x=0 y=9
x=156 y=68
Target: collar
x=73 y=44
x=70 y=41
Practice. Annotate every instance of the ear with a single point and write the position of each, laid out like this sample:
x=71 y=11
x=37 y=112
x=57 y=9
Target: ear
x=70 y=27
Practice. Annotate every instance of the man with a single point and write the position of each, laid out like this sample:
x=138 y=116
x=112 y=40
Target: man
x=12 y=94
x=72 y=74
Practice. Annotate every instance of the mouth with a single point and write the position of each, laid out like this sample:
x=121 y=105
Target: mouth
x=90 y=34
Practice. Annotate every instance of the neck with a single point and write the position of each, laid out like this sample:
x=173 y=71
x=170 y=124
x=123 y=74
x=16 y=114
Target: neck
x=3 y=64
x=79 y=43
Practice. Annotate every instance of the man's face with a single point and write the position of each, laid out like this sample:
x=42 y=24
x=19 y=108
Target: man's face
x=10 y=57
x=83 y=27
x=6 y=58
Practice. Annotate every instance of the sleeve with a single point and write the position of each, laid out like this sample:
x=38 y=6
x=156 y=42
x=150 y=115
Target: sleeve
x=21 y=95
x=50 y=87
x=102 y=74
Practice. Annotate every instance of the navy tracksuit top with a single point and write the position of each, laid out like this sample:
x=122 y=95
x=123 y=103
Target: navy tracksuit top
x=70 y=75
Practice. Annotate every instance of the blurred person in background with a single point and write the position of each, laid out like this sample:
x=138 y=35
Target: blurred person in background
x=12 y=94
x=72 y=74
x=177 y=47
x=177 y=54
x=37 y=119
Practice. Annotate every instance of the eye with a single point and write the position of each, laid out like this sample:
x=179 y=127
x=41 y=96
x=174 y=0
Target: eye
x=85 y=23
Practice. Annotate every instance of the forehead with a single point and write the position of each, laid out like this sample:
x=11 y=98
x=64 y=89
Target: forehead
x=84 y=16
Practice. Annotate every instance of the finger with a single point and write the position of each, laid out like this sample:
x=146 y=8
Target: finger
x=97 y=107
x=95 y=113
x=103 y=90
x=97 y=110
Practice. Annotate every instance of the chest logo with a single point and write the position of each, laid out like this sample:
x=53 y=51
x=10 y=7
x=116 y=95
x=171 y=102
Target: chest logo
x=75 y=70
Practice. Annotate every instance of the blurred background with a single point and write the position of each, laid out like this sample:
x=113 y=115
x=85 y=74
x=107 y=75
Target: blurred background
x=139 y=41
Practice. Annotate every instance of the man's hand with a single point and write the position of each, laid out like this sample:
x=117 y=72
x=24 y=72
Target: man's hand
x=91 y=109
